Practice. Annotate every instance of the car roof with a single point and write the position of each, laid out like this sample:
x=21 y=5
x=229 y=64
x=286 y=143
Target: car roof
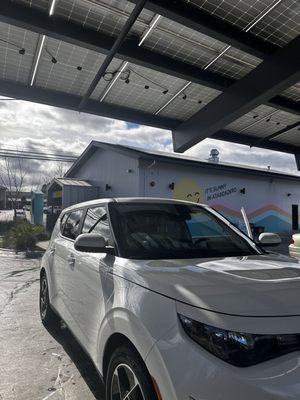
x=129 y=200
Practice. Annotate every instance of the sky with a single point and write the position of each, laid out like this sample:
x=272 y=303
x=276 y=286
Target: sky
x=36 y=127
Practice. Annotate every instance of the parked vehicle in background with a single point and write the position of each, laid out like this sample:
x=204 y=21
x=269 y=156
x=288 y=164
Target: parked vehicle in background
x=294 y=247
x=172 y=302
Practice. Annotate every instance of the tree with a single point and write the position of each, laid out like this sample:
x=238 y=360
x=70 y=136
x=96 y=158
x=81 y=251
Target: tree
x=12 y=176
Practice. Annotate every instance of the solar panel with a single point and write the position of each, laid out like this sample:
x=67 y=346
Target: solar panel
x=107 y=16
x=42 y=5
x=235 y=64
x=263 y=121
x=250 y=119
x=291 y=137
x=64 y=75
x=293 y=92
x=197 y=97
x=145 y=89
x=182 y=43
x=279 y=26
x=237 y=12
x=13 y=65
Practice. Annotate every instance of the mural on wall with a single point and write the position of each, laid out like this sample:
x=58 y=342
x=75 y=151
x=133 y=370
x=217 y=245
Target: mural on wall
x=189 y=189
x=228 y=200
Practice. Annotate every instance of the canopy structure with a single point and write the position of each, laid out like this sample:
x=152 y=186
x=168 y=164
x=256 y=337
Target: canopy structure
x=224 y=69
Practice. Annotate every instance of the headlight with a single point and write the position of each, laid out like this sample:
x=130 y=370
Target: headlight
x=236 y=348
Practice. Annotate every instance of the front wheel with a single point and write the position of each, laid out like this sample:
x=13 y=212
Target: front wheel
x=48 y=317
x=127 y=377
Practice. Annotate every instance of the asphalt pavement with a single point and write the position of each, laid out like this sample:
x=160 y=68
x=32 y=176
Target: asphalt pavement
x=37 y=364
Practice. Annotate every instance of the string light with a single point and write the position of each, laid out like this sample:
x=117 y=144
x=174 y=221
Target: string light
x=21 y=49
x=53 y=59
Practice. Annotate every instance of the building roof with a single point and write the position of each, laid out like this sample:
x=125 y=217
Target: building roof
x=199 y=68
x=69 y=182
x=154 y=155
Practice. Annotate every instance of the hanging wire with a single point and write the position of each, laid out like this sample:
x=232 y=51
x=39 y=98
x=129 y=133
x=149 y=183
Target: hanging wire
x=53 y=59
x=125 y=76
x=21 y=49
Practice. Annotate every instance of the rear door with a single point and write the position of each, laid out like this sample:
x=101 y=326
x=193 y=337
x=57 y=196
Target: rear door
x=90 y=271
x=56 y=250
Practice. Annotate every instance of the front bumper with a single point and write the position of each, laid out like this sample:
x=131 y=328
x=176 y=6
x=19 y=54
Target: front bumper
x=183 y=370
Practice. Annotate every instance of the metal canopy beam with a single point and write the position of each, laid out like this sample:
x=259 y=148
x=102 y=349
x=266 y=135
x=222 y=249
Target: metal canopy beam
x=60 y=29
x=58 y=99
x=274 y=75
x=203 y=22
x=248 y=140
x=113 y=51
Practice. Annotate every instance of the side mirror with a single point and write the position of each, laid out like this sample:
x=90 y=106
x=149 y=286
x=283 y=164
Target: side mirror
x=90 y=243
x=269 y=239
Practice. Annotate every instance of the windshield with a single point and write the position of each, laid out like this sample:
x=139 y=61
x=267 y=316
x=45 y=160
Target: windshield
x=157 y=231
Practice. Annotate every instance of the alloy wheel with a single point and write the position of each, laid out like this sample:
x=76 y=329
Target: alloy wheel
x=125 y=385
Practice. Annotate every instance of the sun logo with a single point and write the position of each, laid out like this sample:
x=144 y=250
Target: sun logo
x=188 y=189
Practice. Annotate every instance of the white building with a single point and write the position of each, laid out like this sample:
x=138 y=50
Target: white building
x=270 y=198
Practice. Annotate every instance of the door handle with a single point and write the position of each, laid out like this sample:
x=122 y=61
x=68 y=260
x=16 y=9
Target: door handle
x=71 y=260
x=52 y=250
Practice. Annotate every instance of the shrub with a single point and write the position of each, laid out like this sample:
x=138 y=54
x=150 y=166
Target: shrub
x=23 y=236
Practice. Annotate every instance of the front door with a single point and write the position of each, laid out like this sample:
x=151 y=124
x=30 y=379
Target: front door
x=89 y=274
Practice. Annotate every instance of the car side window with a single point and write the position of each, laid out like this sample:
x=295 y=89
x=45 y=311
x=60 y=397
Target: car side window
x=62 y=222
x=96 y=221
x=71 y=226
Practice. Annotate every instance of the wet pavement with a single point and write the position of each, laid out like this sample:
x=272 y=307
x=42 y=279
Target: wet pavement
x=36 y=364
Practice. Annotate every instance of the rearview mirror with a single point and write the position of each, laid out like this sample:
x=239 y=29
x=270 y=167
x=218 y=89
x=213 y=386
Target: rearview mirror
x=269 y=239
x=90 y=243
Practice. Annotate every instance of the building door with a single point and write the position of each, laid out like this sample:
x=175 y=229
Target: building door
x=295 y=221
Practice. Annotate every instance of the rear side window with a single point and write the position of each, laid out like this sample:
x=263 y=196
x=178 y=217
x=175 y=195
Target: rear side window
x=96 y=221
x=72 y=224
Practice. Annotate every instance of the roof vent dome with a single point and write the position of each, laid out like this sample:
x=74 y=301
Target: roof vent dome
x=214 y=155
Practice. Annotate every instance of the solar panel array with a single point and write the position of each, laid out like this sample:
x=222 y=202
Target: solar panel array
x=263 y=121
x=279 y=26
x=69 y=69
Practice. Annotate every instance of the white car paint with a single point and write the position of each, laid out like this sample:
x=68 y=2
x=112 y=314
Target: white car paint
x=99 y=295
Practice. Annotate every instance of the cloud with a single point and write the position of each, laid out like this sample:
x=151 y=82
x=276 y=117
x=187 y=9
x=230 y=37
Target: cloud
x=36 y=127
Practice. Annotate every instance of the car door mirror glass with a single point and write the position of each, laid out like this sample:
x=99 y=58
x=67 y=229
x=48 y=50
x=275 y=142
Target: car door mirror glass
x=90 y=243
x=269 y=239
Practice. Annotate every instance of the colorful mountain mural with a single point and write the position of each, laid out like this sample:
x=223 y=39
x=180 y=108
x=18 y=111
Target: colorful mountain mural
x=270 y=217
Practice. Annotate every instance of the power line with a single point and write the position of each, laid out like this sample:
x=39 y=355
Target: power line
x=35 y=158
x=31 y=152
x=9 y=153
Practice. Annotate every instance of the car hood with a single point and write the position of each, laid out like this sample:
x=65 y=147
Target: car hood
x=260 y=285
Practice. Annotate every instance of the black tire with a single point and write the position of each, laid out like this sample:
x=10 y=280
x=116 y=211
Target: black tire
x=126 y=356
x=48 y=316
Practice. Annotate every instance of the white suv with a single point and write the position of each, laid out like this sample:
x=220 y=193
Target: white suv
x=172 y=302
